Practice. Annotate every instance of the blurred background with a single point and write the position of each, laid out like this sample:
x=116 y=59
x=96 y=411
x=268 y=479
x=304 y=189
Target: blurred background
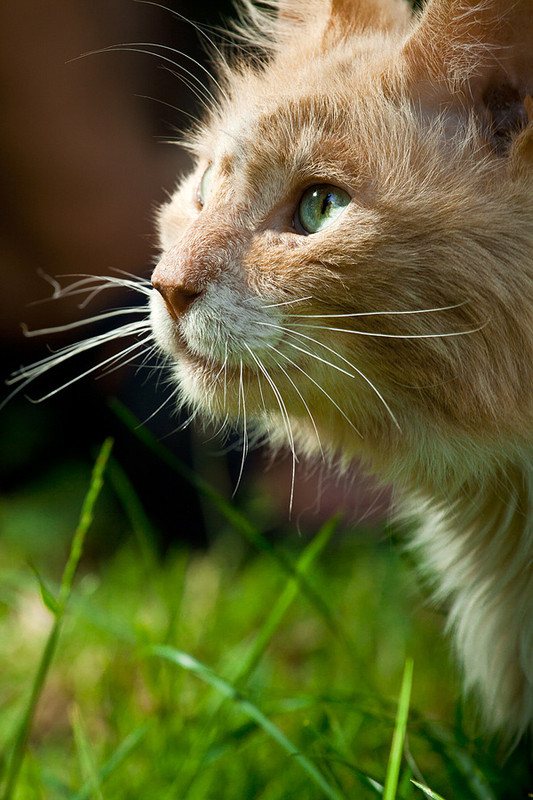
x=87 y=153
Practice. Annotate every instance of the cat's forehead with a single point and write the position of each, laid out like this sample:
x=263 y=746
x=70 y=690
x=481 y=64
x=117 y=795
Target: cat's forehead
x=296 y=112
x=291 y=131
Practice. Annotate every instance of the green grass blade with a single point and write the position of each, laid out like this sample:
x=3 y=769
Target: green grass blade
x=85 y=755
x=398 y=738
x=203 y=672
x=86 y=516
x=250 y=660
x=121 y=753
x=428 y=792
x=285 y=600
x=143 y=529
x=46 y=595
x=460 y=760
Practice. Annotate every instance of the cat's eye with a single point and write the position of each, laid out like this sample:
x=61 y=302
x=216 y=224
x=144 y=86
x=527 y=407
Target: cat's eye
x=205 y=185
x=319 y=206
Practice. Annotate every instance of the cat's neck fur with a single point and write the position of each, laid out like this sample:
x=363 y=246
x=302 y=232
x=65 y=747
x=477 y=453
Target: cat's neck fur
x=478 y=539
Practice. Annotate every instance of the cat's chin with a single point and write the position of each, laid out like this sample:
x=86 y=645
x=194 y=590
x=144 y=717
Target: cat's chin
x=216 y=390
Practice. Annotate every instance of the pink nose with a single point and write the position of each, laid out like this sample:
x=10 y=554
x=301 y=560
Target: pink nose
x=178 y=297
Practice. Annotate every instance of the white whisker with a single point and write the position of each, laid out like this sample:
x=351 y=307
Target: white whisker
x=284 y=415
x=379 y=313
x=200 y=91
x=92 y=284
x=394 y=335
x=87 y=372
x=67 y=352
x=290 y=331
x=289 y=303
x=145 y=355
x=200 y=28
x=244 y=433
x=301 y=398
x=165 y=402
x=220 y=429
x=29 y=334
x=121 y=361
x=321 y=388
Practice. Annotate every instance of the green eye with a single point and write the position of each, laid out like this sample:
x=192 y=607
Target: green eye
x=205 y=185
x=320 y=205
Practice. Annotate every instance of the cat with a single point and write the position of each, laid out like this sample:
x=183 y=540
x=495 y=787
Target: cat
x=348 y=269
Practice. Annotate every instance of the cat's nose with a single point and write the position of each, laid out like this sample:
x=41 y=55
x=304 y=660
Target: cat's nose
x=177 y=281
x=178 y=297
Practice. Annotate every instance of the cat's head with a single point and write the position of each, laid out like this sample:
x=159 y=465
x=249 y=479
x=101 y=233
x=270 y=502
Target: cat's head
x=351 y=258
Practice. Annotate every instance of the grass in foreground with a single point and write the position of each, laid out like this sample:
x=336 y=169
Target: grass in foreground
x=246 y=671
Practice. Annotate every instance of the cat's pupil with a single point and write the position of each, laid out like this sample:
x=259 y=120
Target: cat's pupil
x=326 y=204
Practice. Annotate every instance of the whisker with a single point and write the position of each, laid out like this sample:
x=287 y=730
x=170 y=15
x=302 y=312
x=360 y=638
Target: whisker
x=395 y=335
x=380 y=313
x=201 y=92
x=282 y=406
x=220 y=429
x=29 y=334
x=201 y=29
x=289 y=302
x=148 y=353
x=301 y=398
x=286 y=420
x=193 y=117
x=166 y=402
x=87 y=372
x=244 y=433
x=25 y=375
x=137 y=284
x=290 y=332
x=121 y=362
x=321 y=388
x=225 y=372
x=222 y=368
x=135 y=280
x=67 y=352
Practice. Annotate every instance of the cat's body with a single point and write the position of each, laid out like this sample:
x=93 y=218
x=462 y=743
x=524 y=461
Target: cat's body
x=401 y=330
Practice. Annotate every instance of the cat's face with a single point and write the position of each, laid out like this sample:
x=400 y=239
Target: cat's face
x=339 y=260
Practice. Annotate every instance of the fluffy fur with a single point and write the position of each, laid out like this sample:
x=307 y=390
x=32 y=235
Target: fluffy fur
x=402 y=332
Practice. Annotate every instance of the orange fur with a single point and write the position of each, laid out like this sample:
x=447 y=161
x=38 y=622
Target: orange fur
x=402 y=332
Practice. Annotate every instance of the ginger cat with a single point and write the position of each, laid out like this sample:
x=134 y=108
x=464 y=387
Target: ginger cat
x=349 y=268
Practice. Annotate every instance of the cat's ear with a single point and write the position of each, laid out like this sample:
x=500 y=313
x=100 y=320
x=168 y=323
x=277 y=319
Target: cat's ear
x=478 y=53
x=348 y=15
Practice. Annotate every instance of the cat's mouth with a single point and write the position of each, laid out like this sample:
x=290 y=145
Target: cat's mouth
x=235 y=341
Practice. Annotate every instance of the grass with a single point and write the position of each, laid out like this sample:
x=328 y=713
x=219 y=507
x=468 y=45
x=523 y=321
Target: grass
x=257 y=668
